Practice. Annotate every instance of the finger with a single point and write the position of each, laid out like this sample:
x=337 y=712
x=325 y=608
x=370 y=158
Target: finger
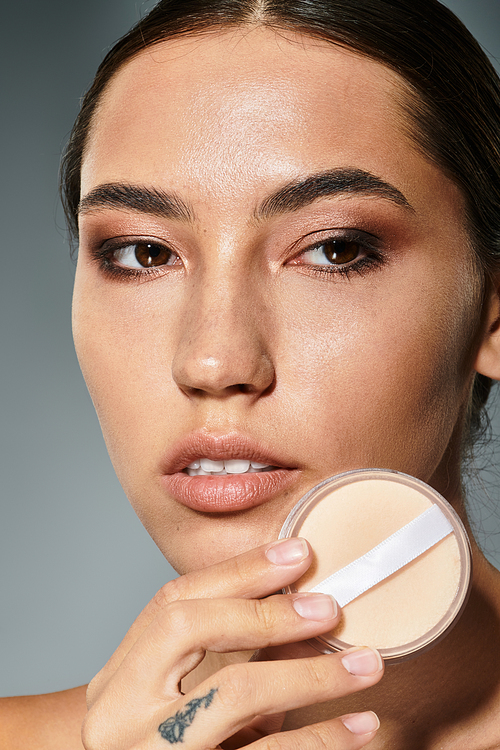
x=231 y=699
x=178 y=638
x=349 y=732
x=261 y=726
x=253 y=574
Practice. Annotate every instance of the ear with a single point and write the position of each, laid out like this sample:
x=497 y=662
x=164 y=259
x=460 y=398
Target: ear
x=488 y=356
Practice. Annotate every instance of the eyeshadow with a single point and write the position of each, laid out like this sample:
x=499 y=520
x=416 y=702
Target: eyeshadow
x=399 y=539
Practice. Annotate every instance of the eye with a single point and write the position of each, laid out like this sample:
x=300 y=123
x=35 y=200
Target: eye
x=344 y=253
x=144 y=255
x=336 y=252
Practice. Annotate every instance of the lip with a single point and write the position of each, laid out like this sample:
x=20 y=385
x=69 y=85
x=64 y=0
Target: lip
x=224 y=494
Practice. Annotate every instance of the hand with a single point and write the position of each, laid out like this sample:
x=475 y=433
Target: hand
x=135 y=702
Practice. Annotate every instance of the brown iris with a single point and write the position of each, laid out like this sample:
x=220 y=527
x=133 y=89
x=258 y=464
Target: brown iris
x=340 y=251
x=149 y=255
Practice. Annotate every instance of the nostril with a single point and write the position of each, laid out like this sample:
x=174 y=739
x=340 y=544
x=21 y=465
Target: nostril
x=246 y=388
x=250 y=388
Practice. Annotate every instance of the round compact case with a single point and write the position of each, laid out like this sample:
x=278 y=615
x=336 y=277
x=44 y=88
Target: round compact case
x=393 y=553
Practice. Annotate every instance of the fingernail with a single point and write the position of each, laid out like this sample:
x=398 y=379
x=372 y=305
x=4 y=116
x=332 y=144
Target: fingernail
x=363 y=662
x=288 y=551
x=316 y=607
x=361 y=723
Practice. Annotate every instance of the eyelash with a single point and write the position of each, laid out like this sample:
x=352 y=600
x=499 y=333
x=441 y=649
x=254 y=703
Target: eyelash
x=374 y=257
x=103 y=255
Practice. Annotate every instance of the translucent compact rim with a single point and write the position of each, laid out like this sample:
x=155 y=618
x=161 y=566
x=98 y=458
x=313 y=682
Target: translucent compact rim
x=310 y=500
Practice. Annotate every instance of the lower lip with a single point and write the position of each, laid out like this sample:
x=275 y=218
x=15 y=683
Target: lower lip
x=225 y=494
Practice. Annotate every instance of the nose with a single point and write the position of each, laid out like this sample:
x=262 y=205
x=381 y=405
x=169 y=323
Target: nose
x=222 y=350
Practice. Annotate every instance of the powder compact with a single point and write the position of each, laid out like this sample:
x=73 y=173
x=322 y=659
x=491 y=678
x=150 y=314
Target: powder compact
x=393 y=553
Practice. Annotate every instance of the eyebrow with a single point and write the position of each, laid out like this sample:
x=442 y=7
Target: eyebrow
x=287 y=199
x=300 y=193
x=145 y=200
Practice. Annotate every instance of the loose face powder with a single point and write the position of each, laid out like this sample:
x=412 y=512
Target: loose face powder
x=394 y=554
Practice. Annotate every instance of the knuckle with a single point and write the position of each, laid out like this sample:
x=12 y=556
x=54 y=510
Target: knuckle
x=316 y=674
x=169 y=592
x=321 y=736
x=236 y=691
x=176 y=619
x=265 y=616
x=316 y=737
x=273 y=742
x=240 y=572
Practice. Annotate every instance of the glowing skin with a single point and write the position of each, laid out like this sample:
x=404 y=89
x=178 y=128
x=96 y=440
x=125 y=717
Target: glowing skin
x=338 y=373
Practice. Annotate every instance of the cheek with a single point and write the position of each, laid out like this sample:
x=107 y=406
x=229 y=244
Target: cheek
x=382 y=381
x=123 y=357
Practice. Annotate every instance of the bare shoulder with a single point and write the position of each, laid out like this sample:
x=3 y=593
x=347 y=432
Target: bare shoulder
x=43 y=722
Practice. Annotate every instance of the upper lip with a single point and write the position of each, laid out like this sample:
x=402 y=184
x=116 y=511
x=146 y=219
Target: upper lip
x=232 y=445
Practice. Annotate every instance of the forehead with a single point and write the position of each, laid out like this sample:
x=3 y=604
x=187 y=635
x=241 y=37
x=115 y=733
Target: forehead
x=229 y=114
x=256 y=86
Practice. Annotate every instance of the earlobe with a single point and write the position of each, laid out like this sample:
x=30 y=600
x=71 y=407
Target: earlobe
x=488 y=356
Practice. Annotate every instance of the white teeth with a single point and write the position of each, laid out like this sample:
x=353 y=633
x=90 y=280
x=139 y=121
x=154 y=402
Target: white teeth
x=205 y=466
x=236 y=466
x=197 y=472
x=211 y=466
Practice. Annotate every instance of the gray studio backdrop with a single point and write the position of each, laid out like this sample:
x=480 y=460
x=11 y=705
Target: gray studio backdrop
x=76 y=565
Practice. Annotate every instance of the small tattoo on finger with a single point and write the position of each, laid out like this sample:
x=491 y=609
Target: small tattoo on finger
x=173 y=729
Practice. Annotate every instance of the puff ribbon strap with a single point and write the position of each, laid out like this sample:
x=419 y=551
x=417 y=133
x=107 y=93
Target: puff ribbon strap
x=386 y=558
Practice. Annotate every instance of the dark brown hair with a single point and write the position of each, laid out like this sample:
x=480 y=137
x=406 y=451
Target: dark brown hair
x=452 y=107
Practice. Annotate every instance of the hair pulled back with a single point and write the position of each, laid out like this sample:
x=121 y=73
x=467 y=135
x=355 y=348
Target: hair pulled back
x=452 y=106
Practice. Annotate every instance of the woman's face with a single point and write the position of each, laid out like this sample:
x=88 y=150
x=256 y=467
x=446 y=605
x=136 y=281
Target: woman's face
x=269 y=271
